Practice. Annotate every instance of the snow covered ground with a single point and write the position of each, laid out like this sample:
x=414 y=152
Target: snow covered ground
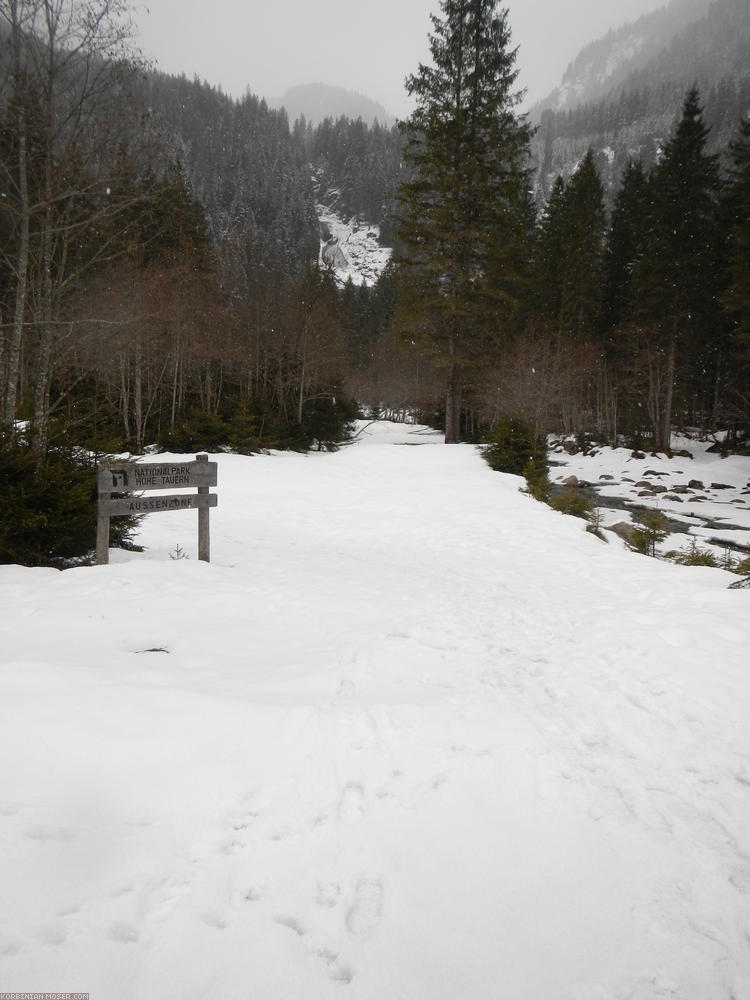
x=410 y=735
x=706 y=493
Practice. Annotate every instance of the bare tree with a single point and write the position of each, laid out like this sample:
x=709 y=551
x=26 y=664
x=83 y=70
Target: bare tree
x=71 y=61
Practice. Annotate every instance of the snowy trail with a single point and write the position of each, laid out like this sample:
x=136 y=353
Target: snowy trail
x=412 y=735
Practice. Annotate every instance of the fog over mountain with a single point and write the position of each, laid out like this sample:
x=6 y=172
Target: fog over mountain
x=317 y=101
x=364 y=47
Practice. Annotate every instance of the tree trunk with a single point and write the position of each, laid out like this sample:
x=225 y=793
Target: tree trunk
x=48 y=311
x=22 y=267
x=175 y=382
x=453 y=406
x=138 y=396
x=666 y=432
x=125 y=397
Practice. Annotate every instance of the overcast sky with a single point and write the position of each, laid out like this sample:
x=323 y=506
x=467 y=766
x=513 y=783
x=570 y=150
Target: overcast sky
x=364 y=45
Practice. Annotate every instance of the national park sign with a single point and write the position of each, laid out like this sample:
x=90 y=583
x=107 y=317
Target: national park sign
x=135 y=477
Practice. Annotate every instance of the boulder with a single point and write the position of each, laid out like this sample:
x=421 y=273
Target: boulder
x=721 y=486
x=637 y=454
x=647 y=493
x=657 y=488
x=334 y=255
x=624 y=531
x=571 y=481
x=609 y=478
x=683 y=454
x=643 y=484
x=673 y=497
x=696 y=484
x=679 y=489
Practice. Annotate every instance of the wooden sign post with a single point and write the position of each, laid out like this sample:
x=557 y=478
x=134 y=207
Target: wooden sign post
x=132 y=477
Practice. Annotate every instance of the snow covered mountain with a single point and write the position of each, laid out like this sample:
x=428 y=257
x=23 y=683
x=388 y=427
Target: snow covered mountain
x=623 y=94
x=608 y=62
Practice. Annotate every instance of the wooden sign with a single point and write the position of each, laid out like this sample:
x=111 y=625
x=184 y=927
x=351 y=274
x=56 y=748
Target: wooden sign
x=131 y=477
x=154 y=505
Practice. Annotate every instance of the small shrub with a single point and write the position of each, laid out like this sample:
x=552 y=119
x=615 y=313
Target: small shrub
x=200 y=431
x=512 y=445
x=728 y=562
x=654 y=529
x=328 y=419
x=694 y=555
x=596 y=524
x=537 y=481
x=48 y=507
x=574 y=503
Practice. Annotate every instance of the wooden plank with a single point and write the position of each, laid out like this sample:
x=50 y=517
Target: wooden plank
x=102 y=534
x=156 y=505
x=131 y=477
x=204 y=513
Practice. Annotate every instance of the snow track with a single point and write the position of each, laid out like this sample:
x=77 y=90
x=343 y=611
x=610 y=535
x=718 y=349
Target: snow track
x=411 y=735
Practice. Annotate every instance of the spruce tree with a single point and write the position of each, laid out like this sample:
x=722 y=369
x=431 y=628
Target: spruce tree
x=678 y=274
x=583 y=252
x=624 y=246
x=462 y=214
x=736 y=206
x=547 y=257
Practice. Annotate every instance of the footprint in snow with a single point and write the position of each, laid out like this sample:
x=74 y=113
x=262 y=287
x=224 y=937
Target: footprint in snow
x=53 y=934
x=244 y=822
x=211 y=919
x=292 y=923
x=328 y=894
x=339 y=971
x=351 y=808
x=346 y=689
x=124 y=933
x=366 y=909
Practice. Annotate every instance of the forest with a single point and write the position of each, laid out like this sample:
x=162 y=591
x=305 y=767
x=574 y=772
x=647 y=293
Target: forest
x=160 y=284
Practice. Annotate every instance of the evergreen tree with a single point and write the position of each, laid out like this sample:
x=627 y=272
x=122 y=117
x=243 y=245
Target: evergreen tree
x=736 y=206
x=583 y=252
x=678 y=274
x=463 y=212
x=548 y=251
x=624 y=246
